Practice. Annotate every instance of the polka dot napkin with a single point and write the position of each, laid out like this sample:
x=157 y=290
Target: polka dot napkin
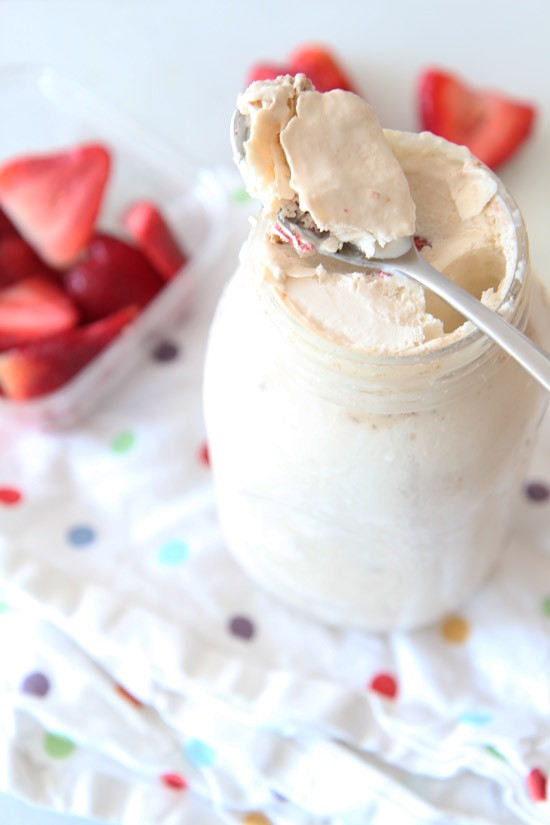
x=146 y=679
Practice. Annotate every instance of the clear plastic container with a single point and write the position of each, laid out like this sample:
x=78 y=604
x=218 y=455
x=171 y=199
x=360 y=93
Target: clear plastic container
x=41 y=111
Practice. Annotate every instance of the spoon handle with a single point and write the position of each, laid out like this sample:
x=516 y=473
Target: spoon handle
x=515 y=343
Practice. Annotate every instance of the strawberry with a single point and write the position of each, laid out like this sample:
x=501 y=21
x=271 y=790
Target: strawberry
x=112 y=275
x=321 y=67
x=537 y=785
x=154 y=237
x=6 y=226
x=54 y=199
x=18 y=260
x=314 y=61
x=490 y=124
x=266 y=71
x=34 y=308
x=40 y=367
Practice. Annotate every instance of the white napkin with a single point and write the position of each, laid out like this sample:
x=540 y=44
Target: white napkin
x=146 y=679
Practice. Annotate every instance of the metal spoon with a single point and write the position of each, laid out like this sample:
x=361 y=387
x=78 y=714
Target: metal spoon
x=239 y=134
x=531 y=357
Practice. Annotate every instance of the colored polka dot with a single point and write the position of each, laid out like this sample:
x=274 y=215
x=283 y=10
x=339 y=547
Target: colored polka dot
x=10 y=496
x=385 y=684
x=165 y=351
x=256 y=819
x=537 y=785
x=128 y=696
x=242 y=627
x=199 y=753
x=58 y=747
x=123 y=442
x=204 y=455
x=4 y=607
x=173 y=552
x=495 y=752
x=546 y=605
x=35 y=684
x=240 y=195
x=175 y=781
x=476 y=718
x=81 y=535
x=455 y=629
x=537 y=491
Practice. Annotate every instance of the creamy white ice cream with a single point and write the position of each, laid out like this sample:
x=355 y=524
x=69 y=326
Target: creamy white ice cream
x=326 y=156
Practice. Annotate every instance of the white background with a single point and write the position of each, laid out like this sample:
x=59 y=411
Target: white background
x=177 y=67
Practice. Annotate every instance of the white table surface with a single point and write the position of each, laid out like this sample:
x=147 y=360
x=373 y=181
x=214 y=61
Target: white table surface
x=177 y=67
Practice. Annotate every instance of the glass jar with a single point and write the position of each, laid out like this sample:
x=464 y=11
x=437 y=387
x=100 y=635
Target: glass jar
x=368 y=491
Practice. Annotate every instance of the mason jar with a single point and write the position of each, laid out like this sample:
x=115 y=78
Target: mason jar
x=367 y=491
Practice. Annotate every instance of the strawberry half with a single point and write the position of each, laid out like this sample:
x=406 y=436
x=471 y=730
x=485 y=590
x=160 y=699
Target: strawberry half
x=491 y=125
x=154 y=237
x=322 y=68
x=40 y=367
x=6 y=226
x=266 y=71
x=112 y=276
x=18 y=260
x=317 y=62
x=54 y=199
x=34 y=308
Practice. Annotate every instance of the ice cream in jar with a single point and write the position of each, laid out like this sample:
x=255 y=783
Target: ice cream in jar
x=366 y=442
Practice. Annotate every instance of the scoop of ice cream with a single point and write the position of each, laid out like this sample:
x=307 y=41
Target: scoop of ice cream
x=269 y=106
x=378 y=313
x=325 y=155
x=373 y=311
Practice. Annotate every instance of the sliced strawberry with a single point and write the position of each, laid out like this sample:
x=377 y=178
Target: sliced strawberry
x=6 y=226
x=113 y=275
x=421 y=242
x=154 y=237
x=18 y=260
x=317 y=62
x=322 y=68
x=54 y=199
x=34 y=308
x=490 y=124
x=266 y=71
x=40 y=367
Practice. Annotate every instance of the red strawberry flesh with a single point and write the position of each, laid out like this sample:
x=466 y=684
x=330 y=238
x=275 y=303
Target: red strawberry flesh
x=267 y=71
x=154 y=237
x=18 y=260
x=112 y=276
x=315 y=61
x=490 y=124
x=41 y=367
x=6 y=226
x=34 y=308
x=322 y=68
x=54 y=199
